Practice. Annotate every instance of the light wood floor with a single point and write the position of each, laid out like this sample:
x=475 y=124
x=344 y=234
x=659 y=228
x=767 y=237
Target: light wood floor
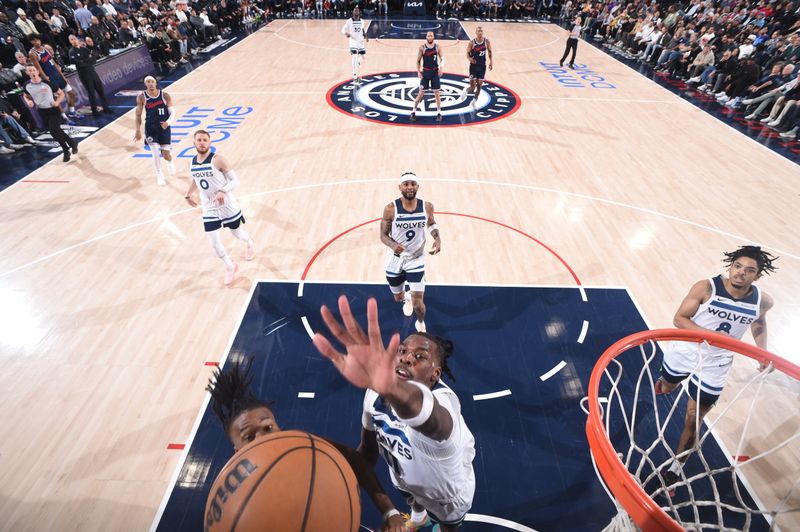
x=111 y=300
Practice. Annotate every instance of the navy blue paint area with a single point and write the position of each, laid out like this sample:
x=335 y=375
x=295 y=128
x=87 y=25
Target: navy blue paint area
x=445 y=30
x=789 y=148
x=532 y=464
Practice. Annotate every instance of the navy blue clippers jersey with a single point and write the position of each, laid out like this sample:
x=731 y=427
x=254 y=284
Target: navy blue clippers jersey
x=430 y=57
x=479 y=52
x=156 y=110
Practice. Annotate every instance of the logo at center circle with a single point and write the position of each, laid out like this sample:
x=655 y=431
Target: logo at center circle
x=389 y=98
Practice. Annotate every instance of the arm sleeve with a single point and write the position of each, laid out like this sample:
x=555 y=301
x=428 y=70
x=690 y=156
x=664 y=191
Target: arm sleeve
x=233 y=181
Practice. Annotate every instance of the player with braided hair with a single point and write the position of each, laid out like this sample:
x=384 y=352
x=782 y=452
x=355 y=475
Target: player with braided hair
x=410 y=416
x=246 y=418
x=726 y=305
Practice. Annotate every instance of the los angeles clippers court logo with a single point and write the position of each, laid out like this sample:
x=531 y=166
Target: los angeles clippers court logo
x=389 y=98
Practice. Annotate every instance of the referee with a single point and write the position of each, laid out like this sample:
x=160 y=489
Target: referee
x=84 y=60
x=39 y=93
x=572 y=43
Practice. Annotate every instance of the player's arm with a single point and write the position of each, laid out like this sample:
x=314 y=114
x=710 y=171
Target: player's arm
x=346 y=29
x=368 y=480
x=170 y=111
x=489 y=52
x=759 y=327
x=227 y=171
x=419 y=61
x=368 y=448
x=190 y=194
x=415 y=404
x=441 y=59
x=386 y=230
x=139 y=109
x=437 y=242
x=469 y=52
x=698 y=294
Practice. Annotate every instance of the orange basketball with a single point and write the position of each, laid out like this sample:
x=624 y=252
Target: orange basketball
x=289 y=481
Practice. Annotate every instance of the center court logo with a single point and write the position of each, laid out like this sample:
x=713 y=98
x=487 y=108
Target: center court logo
x=389 y=98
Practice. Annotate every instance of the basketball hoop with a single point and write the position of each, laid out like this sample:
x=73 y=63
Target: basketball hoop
x=623 y=412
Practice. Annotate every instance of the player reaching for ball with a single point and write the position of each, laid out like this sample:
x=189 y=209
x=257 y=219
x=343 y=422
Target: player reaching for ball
x=245 y=418
x=410 y=416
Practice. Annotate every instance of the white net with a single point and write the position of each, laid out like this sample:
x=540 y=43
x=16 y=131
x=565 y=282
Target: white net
x=712 y=491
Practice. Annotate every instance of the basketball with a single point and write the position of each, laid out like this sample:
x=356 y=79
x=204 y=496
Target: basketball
x=288 y=481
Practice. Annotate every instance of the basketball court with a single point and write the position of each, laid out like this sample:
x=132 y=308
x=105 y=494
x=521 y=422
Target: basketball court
x=575 y=209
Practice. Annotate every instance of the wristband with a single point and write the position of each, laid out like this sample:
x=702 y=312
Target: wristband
x=389 y=514
x=433 y=227
x=426 y=410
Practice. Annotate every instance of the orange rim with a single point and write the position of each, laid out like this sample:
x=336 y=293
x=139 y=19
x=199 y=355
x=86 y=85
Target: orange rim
x=641 y=507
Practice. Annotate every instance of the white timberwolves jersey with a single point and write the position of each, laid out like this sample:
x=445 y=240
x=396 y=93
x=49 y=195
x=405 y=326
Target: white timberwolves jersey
x=724 y=314
x=408 y=228
x=356 y=30
x=422 y=466
x=209 y=181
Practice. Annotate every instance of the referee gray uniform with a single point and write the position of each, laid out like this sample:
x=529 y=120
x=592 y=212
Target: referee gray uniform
x=42 y=96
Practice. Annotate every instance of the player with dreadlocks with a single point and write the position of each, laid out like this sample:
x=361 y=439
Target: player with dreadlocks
x=410 y=416
x=246 y=418
x=727 y=305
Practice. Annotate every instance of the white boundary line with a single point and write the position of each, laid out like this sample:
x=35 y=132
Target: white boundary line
x=490 y=519
x=584 y=330
x=306 y=395
x=714 y=434
x=307 y=327
x=558 y=367
x=493 y=395
x=199 y=418
x=428 y=180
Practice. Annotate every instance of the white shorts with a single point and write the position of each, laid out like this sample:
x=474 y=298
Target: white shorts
x=401 y=269
x=707 y=369
x=450 y=512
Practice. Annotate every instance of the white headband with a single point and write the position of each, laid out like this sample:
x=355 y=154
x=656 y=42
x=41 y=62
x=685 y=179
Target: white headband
x=409 y=176
x=150 y=77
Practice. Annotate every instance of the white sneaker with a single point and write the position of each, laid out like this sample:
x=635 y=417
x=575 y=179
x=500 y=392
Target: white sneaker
x=420 y=326
x=694 y=79
x=160 y=179
x=16 y=146
x=766 y=120
x=408 y=306
x=723 y=99
x=230 y=273
x=789 y=134
x=750 y=116
x=5 y=151
x=170 y=168
x=773 y=123
x=702 y=87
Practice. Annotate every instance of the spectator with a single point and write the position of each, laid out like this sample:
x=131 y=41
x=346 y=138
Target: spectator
x=83 y=17
x=24 y=24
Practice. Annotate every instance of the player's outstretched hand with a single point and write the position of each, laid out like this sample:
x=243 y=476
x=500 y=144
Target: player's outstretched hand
x=367 y=363
x=437 y=247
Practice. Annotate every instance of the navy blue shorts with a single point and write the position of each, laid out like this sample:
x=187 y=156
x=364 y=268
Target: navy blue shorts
x=157 y=135
x=430 y=80
x=57 y=82
x=477 y=71
x=213 y=225
x=705 y=399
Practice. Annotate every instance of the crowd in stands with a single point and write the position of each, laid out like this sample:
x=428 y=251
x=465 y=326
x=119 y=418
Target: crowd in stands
x=172 y=30
x=745 y=54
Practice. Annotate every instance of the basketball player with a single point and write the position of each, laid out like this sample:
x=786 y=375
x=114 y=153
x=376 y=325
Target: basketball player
x=477 y=50
x=216 y=181
x=429 y=65
x=410 y=416
x=245 y=418
x=727 y=305
x=50 y=72
x=354 y=30
x=159 y=115
x=403 y=232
